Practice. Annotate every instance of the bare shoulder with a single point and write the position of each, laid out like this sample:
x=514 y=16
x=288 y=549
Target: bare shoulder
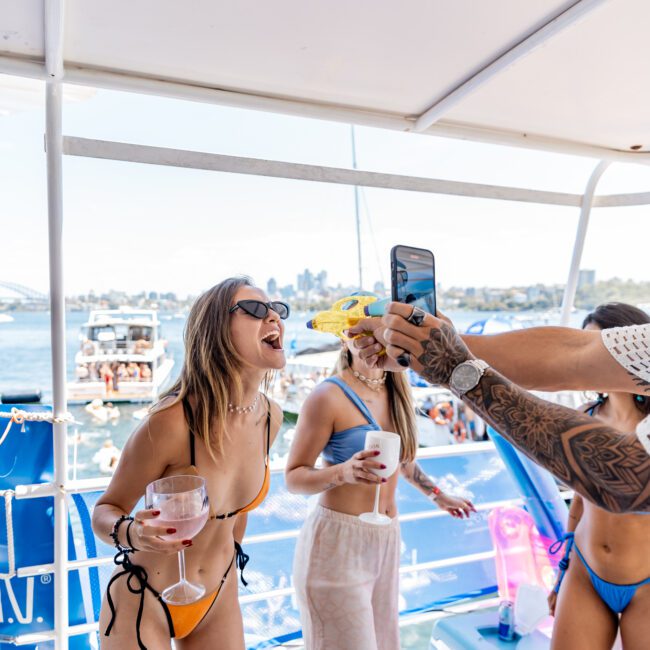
x=322 y=400
x=165 y=427
x=326 y=392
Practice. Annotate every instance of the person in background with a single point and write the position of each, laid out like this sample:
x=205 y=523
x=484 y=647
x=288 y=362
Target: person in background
x=81 y=372
x=106 y=374
x=115 y=376
x=460 y=425
x=475 y=430
x=145 y=372
x=346 y=570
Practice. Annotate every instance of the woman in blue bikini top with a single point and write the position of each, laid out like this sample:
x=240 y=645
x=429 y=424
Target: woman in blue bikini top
x=346 y=572
x=333 y=423
x=605 y=572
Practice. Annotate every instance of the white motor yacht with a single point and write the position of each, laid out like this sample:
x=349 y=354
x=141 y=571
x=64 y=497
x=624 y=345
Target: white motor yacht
x=122 y=357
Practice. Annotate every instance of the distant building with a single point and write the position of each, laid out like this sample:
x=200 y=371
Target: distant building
x=287 y=292
x=492 y=295
x=321 y=282
x=305 y=281
x=271 y=287
x=470 y=292
x=118 y=297
x=533 y=294
x=586 y=278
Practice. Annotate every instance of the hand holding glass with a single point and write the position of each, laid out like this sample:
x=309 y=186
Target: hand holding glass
x=388 y=445
x=183 y=504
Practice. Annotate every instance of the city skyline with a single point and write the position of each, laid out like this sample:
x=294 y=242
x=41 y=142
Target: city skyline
x=305 y=281
x=311 y=291
x=272 y=287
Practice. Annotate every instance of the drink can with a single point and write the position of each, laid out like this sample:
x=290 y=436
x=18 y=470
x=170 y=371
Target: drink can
x=506 y=621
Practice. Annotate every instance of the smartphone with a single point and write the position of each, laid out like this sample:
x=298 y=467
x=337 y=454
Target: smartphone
x=413 y=277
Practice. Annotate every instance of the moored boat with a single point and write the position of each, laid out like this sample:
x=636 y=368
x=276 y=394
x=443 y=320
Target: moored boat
x=122 y=357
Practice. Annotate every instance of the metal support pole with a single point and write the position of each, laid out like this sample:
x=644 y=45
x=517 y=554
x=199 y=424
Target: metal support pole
x=356 y=208
x=579 y=244
x=54 y=11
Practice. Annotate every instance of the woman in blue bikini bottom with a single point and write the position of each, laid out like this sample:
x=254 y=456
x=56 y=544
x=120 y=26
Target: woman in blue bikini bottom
x=606 y=588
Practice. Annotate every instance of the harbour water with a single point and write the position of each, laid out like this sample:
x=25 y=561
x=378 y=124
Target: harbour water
x=25 y=363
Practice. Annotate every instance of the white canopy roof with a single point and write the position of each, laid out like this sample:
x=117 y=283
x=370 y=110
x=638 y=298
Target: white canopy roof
x=574 y=83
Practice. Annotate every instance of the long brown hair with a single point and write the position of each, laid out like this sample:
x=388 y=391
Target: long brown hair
x=620 y=314
x=211 y=369
x=400 y=405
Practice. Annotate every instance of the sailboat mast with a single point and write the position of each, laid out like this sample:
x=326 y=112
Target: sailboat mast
x=356 y=207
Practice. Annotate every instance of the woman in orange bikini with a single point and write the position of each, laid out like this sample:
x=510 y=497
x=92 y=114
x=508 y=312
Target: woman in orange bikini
x=215 y=423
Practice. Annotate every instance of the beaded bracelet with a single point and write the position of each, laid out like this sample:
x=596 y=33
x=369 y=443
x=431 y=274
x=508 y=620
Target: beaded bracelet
x=114 y=533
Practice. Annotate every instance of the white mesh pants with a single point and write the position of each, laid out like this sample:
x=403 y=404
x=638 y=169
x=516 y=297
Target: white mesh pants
x=346 y=575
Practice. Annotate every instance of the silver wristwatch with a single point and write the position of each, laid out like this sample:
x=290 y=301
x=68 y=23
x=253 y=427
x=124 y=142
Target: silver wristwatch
x=466 y=376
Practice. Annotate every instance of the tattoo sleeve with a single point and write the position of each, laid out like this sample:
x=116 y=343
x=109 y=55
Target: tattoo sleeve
x=609 y=468
x=415 y=476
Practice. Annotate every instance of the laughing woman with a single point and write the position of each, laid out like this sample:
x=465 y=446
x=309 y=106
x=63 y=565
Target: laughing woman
x=346 y=570
x=214 y=423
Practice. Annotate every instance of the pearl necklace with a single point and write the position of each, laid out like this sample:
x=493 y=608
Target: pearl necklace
x=373 y=384
x=234 y=408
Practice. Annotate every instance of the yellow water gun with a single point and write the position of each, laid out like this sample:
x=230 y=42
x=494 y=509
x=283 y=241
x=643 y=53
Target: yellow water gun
x=346 y=313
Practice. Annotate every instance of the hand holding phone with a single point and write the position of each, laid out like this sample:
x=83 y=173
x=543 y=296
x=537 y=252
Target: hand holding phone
x=413 y=282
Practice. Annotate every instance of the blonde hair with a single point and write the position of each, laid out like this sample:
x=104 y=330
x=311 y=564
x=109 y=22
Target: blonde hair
x=212 y=366
x=400 y=404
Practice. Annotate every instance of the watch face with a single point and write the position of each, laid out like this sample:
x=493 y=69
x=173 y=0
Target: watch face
x=465 y=377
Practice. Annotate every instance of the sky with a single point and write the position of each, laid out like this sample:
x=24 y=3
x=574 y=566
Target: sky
x=142 y=227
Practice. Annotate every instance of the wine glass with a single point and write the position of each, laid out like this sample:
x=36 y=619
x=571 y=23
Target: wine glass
x=183 y=504
x=388 y=446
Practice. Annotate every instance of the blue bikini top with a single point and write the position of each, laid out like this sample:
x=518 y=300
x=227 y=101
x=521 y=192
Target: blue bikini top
x=344 y=444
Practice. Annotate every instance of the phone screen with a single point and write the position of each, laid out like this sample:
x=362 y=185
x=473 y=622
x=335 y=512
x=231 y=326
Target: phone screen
x=413 y=277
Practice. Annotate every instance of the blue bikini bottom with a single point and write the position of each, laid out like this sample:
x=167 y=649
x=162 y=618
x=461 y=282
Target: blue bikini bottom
x=616 y=597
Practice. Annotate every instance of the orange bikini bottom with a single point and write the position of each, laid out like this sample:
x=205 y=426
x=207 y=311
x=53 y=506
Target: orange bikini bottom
x=182 y=619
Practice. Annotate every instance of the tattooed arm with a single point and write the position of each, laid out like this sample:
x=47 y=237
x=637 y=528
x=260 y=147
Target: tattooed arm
x=413 y=473
x=455 y=506
x=610 y=468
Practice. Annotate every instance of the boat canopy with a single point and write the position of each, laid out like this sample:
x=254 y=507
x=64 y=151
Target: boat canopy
x=558 y=75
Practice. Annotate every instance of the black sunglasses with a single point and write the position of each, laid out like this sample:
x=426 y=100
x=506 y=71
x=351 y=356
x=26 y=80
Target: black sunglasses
x=259 y=309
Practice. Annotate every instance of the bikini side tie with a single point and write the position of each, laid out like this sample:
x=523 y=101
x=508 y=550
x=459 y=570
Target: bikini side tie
x=242 y=560
x=137 y=583
x=563 y=564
